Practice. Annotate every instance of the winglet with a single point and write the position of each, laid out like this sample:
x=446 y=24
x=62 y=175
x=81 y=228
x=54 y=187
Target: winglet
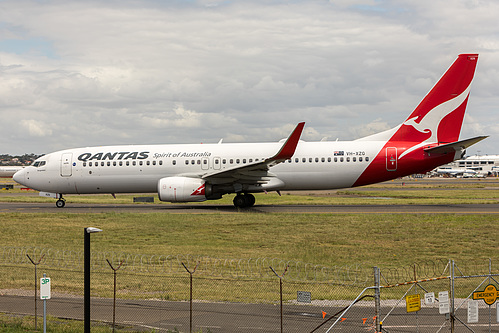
x=288 y=148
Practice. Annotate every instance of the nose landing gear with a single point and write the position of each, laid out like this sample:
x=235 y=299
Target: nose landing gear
x=61 y=202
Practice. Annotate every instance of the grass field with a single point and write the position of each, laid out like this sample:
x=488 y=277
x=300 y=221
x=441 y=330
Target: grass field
x=326 y=239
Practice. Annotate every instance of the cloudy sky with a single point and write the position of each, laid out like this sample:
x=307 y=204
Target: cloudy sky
x=87 y=73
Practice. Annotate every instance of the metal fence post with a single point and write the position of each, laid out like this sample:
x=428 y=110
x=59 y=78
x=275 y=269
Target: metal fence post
x=190 y=298
x=36 y=285
x=280 y=289
x=452 y=277
x=377 y=297
x=114 y=294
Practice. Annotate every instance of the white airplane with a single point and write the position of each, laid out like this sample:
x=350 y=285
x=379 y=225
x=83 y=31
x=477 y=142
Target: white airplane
x=457 y=172
x=8 y=171
x=428 y=138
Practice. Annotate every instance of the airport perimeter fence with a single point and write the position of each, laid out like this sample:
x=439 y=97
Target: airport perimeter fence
x=153 y=293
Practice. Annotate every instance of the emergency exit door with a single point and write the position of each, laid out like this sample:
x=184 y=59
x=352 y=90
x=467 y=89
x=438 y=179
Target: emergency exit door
x=391 y=159
x=66 y=165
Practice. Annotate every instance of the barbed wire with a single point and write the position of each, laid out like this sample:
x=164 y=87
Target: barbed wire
x=357 y=274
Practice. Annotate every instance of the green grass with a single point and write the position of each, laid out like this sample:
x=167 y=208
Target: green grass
x=326 y=239
x=21 y=324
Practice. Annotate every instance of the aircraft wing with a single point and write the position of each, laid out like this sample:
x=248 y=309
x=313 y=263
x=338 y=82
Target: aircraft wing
x=258 y=172
x=454 y=146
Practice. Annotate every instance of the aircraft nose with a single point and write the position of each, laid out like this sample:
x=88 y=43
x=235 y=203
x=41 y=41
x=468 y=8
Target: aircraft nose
x=19 y=176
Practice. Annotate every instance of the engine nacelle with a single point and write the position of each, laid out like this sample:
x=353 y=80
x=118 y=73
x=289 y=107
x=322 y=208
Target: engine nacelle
x=181 y=189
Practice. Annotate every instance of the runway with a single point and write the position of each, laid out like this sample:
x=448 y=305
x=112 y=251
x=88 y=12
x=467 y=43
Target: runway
x=10 y=207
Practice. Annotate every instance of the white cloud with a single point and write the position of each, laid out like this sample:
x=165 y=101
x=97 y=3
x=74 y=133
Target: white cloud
x=160 y=72
x=35 y=128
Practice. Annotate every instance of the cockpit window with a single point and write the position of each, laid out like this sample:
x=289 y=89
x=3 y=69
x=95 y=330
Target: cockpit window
x=38 y=164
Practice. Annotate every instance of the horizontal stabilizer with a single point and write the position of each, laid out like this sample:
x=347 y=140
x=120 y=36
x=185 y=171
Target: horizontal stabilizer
x=455 y=146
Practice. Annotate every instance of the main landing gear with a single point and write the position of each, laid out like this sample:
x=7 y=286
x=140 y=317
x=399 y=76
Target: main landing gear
x=61 y=202
x=244 y=200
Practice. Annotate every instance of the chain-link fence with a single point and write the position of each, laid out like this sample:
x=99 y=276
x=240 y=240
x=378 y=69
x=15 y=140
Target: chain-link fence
x=153 y=293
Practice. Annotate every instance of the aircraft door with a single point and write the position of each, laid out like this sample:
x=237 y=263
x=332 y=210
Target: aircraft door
x=216 y=163
x=391 y=159
x=205 y=163
x=66 y=164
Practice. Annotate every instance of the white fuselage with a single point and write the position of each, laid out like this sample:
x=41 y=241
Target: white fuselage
x=138 y=168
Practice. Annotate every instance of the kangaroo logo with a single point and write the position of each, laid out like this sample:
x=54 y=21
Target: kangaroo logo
x=430 y=122
x=199 y=191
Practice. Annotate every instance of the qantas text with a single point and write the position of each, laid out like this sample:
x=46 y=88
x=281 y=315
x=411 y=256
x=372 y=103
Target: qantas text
x=124 y=155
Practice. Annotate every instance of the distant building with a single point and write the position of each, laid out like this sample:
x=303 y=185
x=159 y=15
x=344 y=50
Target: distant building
x=471 y=166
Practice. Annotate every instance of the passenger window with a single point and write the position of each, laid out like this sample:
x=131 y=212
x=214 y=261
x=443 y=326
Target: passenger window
x=341 y=159
x=360 y=159
x=108 y=163
x=114 y=163
x=148 y=162
x=153 y=162
x=329 y=159
x=174 y=162
x=199 y=161
x=231 y=161
x=89 y=164
x=134 y=163
x=336 y=159
x=121 y=163
x=348 y=159
x=316 y=160
x=367 y=159
x=224 y=161
x=193 y=162
x=160 y=162
x=216 y=161
x=205 y=162
x=84 y=164
x=186 y=162
x=140 y=163
x=310 y=159
x=297 y=160
x=127 y=163
x=237 y=161
x=323 y=160
x=101 y=163
x=354 y=159
x=304 y=160
x=250 y=160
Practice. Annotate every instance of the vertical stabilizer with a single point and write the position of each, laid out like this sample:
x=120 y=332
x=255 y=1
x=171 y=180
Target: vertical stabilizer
x=439 y=116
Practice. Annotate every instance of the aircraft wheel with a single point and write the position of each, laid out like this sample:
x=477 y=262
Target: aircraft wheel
x=244 y=201
x=239 y=201
x=60 y=203
x=250 y=200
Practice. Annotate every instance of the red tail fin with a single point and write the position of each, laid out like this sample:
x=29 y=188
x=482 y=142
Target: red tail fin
x=439 y=116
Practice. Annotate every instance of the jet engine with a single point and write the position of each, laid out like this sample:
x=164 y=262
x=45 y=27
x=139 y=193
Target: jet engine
x=181 y=189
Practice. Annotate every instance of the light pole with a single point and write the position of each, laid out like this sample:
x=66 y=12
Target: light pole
x=86 y=273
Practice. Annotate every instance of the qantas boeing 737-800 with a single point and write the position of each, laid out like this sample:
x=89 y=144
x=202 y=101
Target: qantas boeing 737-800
x=428 y=138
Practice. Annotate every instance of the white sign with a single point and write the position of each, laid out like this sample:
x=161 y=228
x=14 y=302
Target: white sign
x=472 y=311
x=304 y=296
x=443 y=302
x=45 y=288
x=429 y=298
